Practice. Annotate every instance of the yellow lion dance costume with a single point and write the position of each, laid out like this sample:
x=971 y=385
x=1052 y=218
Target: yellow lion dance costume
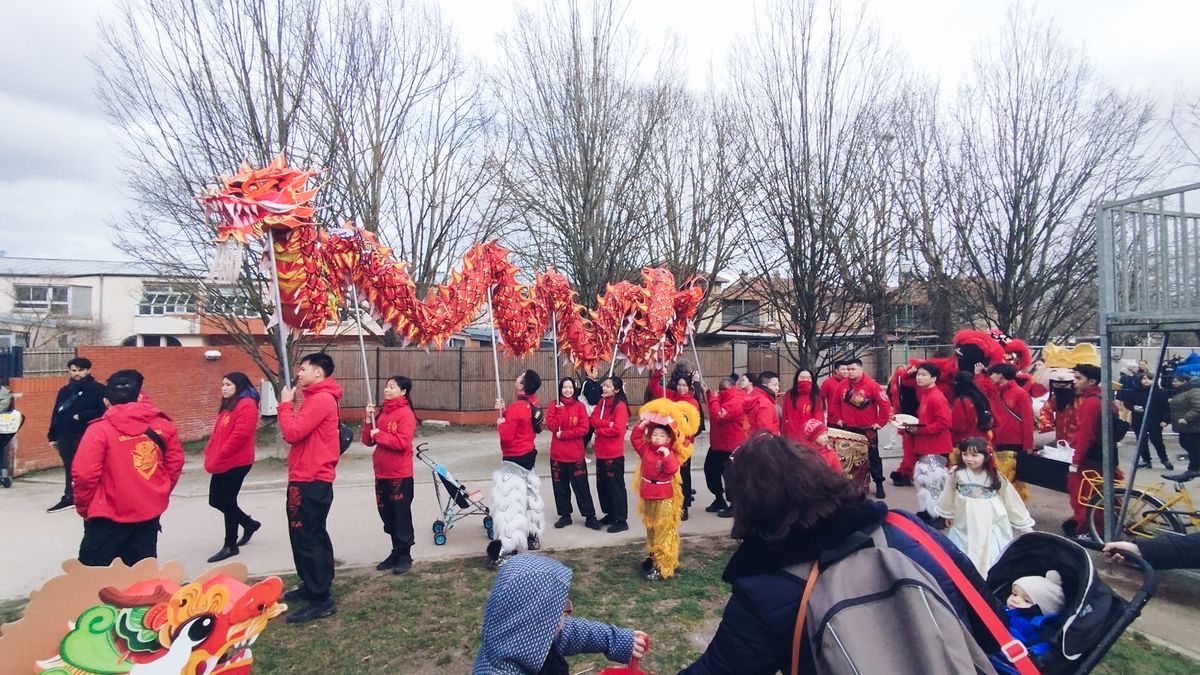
x=661 y=516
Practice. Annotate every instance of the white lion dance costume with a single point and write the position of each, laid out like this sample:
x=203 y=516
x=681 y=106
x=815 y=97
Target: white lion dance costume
x=517 y=511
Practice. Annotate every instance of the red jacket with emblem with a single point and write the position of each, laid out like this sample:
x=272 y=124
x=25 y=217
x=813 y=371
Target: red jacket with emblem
x=931 y=436
x=516 y=431
x=862 y=404
x=1012 y=411
x=760 y=411
x=609 y=423
x=568 y=423
x=727 y=410
x=312 y=431
x=119 y=473
x=798 y=410
x=397 y=424
x=232 y=442
x=658 y=468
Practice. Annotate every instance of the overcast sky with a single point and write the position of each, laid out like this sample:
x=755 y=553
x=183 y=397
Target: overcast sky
x=60 y=188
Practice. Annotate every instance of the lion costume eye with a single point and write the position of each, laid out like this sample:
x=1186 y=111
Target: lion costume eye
x=200 y=628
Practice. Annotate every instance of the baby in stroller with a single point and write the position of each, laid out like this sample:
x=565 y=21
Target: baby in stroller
x=1032 y=602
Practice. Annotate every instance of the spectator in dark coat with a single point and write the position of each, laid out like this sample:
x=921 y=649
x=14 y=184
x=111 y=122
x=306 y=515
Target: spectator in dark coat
x=788 y=508
x=1164 y=552
x=77 y=404
x=1137 y=400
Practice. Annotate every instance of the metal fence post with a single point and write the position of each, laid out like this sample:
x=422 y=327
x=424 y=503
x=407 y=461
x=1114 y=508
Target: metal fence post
x=460 y=378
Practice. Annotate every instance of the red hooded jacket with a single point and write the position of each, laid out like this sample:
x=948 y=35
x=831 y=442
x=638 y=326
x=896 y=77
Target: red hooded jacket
x=1012 y=411
x=610 y=424
x=231 y=444
x=964 y=420
x=121 y=474
x=1086 y=439
x=568 y=425
x=727 y=410
x=393 y=456
x=516 y=431
x=932 y=435
x=796 y=413
x=658 y=469
x=312 y=431
x=760 y=411
x=862 y=404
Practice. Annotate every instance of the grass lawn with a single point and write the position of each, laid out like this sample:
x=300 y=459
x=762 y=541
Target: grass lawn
x=428 y=621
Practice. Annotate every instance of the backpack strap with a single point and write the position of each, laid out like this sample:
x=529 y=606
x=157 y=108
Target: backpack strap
x=798 y=631
x=158 y=440
x=1013 y=649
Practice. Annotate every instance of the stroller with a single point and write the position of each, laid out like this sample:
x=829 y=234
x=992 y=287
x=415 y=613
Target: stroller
x=1093 y=617
x=458 y=502
x=10 y=422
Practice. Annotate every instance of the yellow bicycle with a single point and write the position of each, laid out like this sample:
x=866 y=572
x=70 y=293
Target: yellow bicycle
x=1152 y=509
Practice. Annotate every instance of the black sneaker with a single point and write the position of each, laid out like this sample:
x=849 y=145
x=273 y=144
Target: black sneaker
x=653 y=574
x=62 y=505
x=562 y=522
x=388 y=562
x=718 y=504
x=402 y=566
x=296 y=594
x=534 y=543
x=1144 y=465
x=1168 y=466
x=900 y=480
x=727 y=513
x=248 y=532
x=592 y=524
x=607 y=520
x=684 y=516
x=225 y=552
x=879 y=493
x=618 y=526
x=1182 y=477
x=317 y=610
x=647 y=565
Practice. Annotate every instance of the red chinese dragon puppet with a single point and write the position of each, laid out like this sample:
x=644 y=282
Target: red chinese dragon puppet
x=315 y=266
x=141 y=619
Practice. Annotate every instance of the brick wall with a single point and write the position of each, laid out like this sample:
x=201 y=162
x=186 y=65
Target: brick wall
x=33 y=451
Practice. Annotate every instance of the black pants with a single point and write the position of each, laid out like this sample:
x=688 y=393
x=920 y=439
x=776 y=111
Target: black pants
x=223 y=489
x=610 y=488
x=67 y=445
x=714 y=471
x=525 y=461
x=685 y=471
x=393 y=499
x=1191 y=444
x=307 y=510
x=567 y=476
x=106 y=540
x=873 y=457
x=1153 y=437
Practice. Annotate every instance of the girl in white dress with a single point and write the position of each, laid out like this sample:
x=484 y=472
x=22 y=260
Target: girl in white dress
x=981 y=506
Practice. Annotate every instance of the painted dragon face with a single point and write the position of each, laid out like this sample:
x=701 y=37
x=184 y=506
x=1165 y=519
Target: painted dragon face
x=201 y=628
x=273 y=197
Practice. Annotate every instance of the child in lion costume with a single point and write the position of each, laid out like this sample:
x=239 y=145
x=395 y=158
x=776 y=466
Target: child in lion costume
x=662 y=440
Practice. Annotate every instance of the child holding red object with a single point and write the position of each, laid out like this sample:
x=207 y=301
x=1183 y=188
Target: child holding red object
x=662 y=443
x=392 y=436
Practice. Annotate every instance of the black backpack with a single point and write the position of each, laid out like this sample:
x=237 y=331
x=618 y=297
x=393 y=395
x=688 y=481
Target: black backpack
x=537 y=416
x=345 y=437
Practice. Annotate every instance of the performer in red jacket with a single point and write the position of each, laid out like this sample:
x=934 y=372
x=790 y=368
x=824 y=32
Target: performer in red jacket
x=971 y=414
x=830 y=388
x=1012 y=411
x=801 y=404
x=610 y=421
x=228 y=456
x=931 y=441
x=517 y=509
x=568 y=423
x=864 y=408
x=127 y=464
x=727 y=410
x=681 y=392
x=760 y=404
x=312 y=433
x=392 y=437
x=1086 y=440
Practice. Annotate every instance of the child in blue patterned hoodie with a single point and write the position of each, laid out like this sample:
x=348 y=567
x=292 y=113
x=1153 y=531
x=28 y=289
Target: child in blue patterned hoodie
x=528 y=627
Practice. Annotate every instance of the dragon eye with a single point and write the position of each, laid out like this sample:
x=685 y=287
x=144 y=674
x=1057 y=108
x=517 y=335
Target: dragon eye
x=200 y=628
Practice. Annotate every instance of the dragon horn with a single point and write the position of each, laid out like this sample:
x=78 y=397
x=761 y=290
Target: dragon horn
x=117 y=598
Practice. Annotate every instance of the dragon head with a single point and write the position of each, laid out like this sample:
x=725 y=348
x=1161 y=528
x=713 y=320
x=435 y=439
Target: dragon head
x=252 y=200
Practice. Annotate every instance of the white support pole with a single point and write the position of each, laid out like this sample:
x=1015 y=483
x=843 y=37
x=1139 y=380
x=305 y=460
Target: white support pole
x=554 y=332
x=612 y=362
x=280 y=326
x=362 y=347
x=495 y=354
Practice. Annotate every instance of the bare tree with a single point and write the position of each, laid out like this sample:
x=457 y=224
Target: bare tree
x=814 y=88
x=200 y=86
x=1036 y=140
x=581 y=129
x=1185 y=125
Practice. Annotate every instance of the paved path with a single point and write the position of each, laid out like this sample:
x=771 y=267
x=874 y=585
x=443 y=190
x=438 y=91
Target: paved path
x=35 y=542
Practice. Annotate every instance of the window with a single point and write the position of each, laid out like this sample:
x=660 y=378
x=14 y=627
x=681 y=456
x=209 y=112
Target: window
x=49 y=299
x=739 y=312
x=164 y=300
x=231 y=301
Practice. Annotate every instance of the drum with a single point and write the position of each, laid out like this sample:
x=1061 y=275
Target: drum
x=852 y=448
